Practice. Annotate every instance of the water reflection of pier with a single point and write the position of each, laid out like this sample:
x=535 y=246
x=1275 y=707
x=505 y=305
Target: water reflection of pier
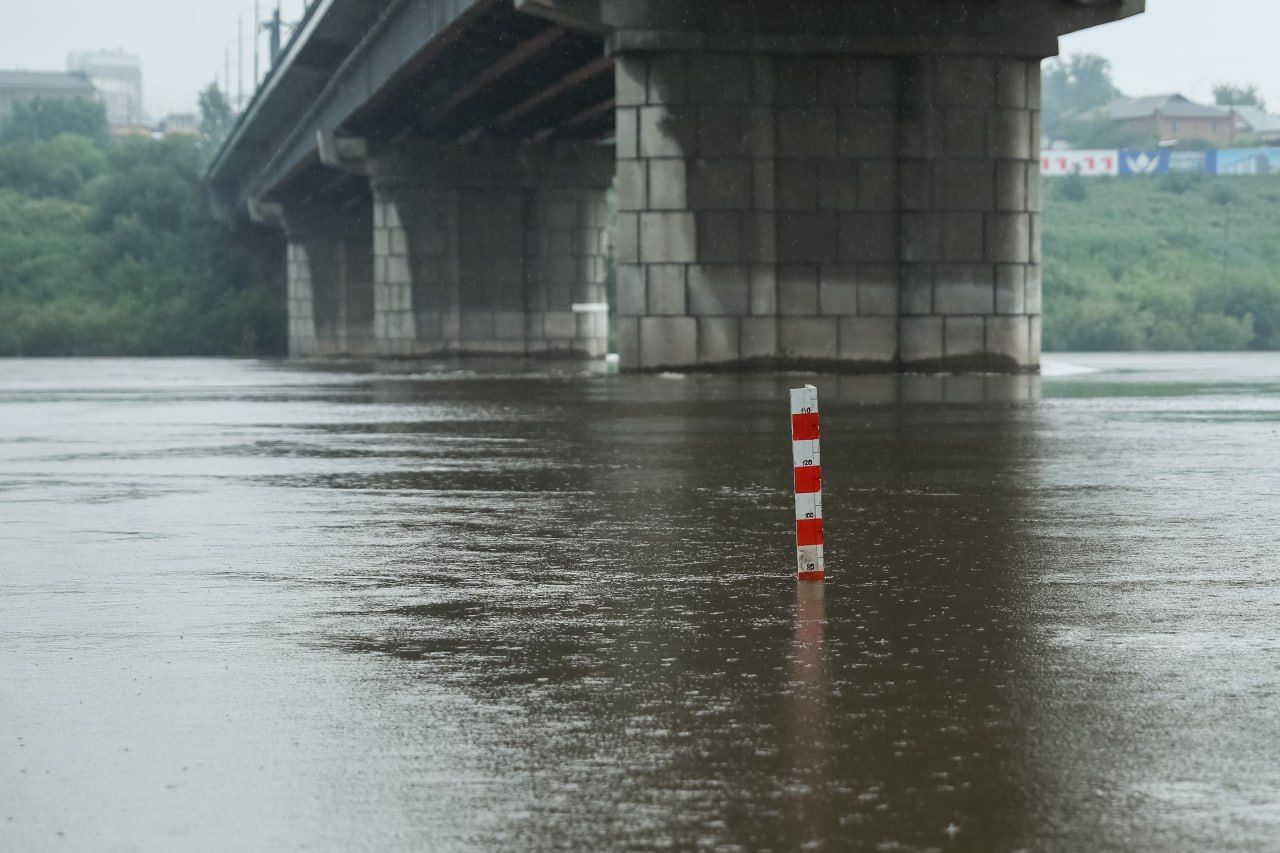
x=629 y=618
x=808 y=723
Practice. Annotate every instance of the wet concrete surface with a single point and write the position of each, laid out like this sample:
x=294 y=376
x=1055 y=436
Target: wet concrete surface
x=253 y=606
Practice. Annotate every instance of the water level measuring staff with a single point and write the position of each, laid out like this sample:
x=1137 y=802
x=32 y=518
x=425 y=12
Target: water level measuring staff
x=807 y=464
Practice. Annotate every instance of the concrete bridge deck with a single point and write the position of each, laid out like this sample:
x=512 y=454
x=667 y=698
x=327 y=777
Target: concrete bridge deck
x=847 y=184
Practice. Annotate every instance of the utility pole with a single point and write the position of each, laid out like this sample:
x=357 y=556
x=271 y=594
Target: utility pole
x=274 y=27
x=226 y=71
x=1226 y=237
x=240 y=62
x=257 y=26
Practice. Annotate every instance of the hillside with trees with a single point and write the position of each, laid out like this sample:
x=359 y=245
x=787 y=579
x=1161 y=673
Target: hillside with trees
x=108 y=248
x=1181 y=262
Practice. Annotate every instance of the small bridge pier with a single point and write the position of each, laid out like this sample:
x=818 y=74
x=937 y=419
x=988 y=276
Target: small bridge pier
x=491 y=249
x=330 y=275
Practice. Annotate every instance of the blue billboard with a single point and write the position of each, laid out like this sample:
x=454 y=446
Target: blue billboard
x=1150 y=162
x=1195 y=162
x=1248 y=161
x=1161 y=161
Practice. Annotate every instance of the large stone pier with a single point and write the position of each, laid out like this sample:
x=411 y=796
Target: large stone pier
x=861 y=212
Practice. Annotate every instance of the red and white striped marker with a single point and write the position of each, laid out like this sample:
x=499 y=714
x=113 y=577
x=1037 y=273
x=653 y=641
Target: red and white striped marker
x=807 y=460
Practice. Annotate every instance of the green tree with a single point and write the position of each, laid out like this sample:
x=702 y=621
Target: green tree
x=215 y=120
x=154 y=181
x=1230 y=95
x=58 y=167
x=1073 y=187
x=111 y=250
x=1129 y=270
x=45 y=118
x=1180 y=183
x=1076 y=85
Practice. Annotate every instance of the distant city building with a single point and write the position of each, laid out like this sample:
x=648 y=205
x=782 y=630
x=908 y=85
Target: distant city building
x=1258 y=124
x=180 y=124
x=20 y=86
x=118 y=78
x=1174 y=117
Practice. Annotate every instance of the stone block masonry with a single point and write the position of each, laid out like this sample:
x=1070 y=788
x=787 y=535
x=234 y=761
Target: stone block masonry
x=566 y=254
x=330 y=272
x=870 y=212
x=969 y=153
x=490 y=252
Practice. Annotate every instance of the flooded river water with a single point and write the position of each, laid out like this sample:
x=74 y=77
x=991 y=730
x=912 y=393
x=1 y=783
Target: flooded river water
x=250 y=606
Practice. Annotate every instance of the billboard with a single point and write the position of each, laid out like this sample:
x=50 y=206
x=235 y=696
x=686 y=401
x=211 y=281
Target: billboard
x=1162 y=161
x=1144 y=162
x=1248 y=161
x=1127 y=162
x=1055 y=164
x=1196 y=162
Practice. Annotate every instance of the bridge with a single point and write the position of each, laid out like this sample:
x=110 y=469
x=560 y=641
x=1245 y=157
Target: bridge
x=829 y=183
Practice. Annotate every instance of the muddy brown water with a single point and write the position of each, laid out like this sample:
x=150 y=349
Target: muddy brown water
x=251 y=606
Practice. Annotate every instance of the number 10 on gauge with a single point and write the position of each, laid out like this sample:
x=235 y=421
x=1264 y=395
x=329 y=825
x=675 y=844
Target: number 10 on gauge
x=807 y=462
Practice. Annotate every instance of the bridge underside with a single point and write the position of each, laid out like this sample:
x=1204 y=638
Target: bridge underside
x=851 y=185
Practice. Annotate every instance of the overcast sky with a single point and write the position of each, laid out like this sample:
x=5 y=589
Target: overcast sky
x=1188 y=45
x=1177 y=46
x=181 y=42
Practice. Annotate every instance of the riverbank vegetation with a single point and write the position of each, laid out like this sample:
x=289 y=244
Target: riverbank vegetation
x=107 y=247
x=1180 y=262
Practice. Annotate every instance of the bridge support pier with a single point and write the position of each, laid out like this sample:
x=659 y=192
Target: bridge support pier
x=483 y=251
x=329 y=277
x=830 y=210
